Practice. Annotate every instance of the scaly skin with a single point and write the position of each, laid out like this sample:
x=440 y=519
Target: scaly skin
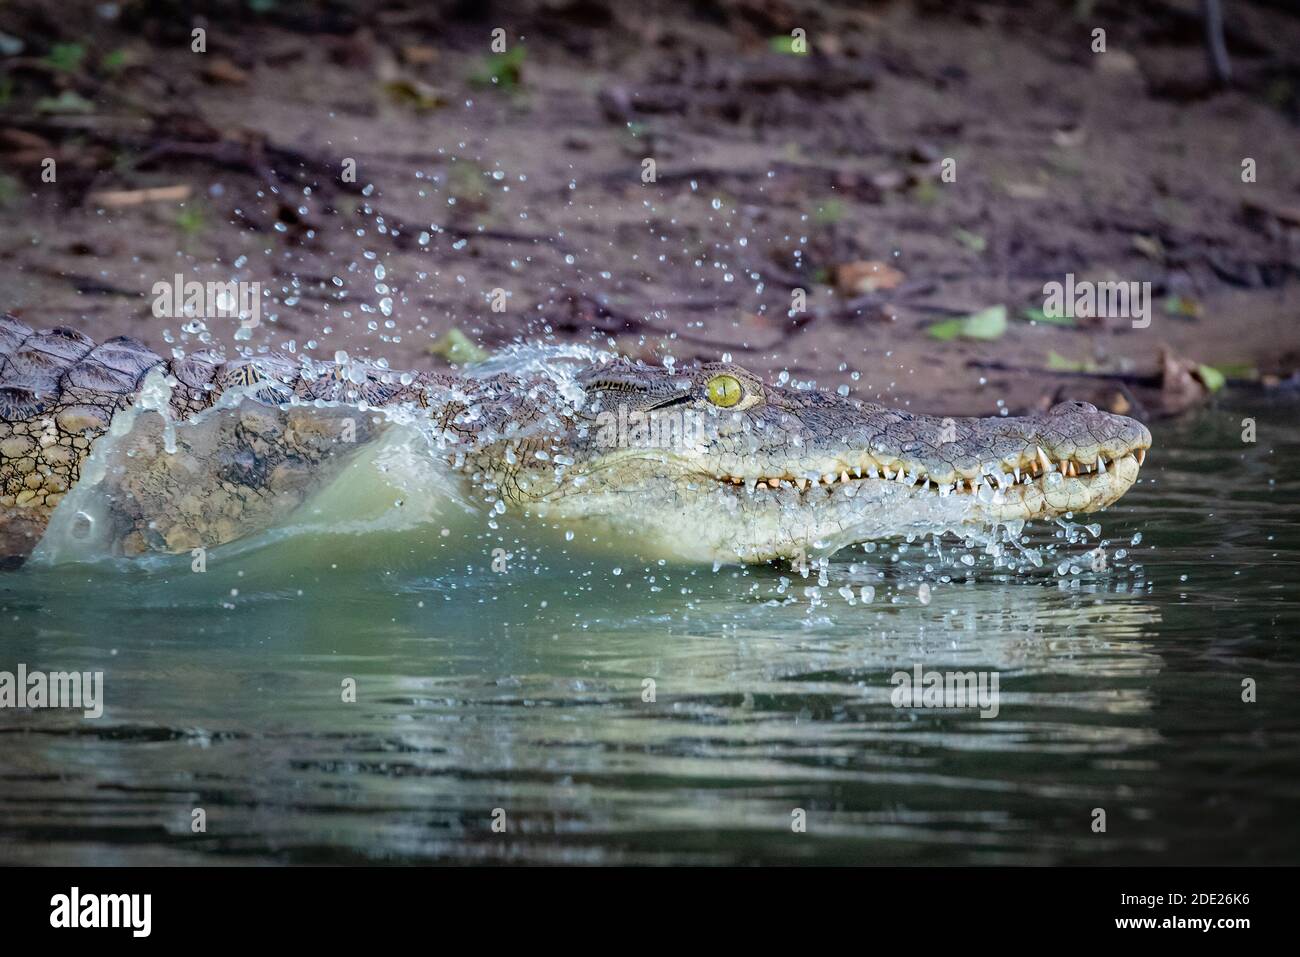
x=706 y=463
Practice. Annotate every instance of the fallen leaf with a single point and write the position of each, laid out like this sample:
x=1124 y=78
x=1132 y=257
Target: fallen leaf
x=135 y=197
x=866 y=276
x=420 y=97
x=1116 y=63
x=1149 y=246
x=502 y=70
x=889 y=180
x=1069 y=137
x=1183 y=306
x=972 y=241
x=1038 y=315
x=1059 y=363
x=68 y=101
x=1026 y=191
x=986 y=324
x=66 y=56
x=1210 y=377
x=787 y=45
x=419 y=55
x=456 y=347
x=221 y=70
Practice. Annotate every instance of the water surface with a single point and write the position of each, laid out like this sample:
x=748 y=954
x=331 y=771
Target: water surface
x=520 y=695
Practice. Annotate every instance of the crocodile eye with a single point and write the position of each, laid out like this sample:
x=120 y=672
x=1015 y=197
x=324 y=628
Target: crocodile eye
x=724 y=390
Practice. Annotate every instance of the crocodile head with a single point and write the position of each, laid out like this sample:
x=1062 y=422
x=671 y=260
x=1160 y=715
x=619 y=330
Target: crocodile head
x=713 y=463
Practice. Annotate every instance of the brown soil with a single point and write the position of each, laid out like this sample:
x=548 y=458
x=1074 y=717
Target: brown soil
x=772 y=171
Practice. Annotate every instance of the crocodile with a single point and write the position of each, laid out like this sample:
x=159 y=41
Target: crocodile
x=707 y=462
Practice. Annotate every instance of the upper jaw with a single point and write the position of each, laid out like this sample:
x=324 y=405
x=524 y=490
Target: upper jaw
x=832 y=470
x=947 y=455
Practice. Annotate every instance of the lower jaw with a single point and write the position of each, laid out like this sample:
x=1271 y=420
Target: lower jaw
x=1069 y=495
x=785 y=524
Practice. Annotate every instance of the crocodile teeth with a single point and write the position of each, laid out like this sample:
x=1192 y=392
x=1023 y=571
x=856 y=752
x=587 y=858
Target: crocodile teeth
x=844 y=476
x=1141 y=455
x=1043 y=460
x=802 y=484
x=1101 y=464
x=1016 y=470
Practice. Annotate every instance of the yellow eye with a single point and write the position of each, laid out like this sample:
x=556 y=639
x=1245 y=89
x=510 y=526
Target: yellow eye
x=724 y=390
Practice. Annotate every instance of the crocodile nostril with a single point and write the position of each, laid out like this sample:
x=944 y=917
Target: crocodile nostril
x=1073 y=405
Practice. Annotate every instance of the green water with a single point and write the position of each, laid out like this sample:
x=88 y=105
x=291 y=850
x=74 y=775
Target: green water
x=524 y=690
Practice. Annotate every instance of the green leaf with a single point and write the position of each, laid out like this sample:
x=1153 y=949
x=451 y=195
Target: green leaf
x=925 y=192
x=115 y=61
x=418 y=96
x=66 y=102
x=1060 y=363
x=1037 y=315
x=783 y=44
x=66 y=56
x=1213 y=379
x=828 y=213
x=972 y=241
x=502 y=70
x=455 y=346
x=986 y=324
x=191 y=221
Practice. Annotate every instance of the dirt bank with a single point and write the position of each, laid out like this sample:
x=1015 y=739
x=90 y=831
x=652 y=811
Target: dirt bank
x=972 y=152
